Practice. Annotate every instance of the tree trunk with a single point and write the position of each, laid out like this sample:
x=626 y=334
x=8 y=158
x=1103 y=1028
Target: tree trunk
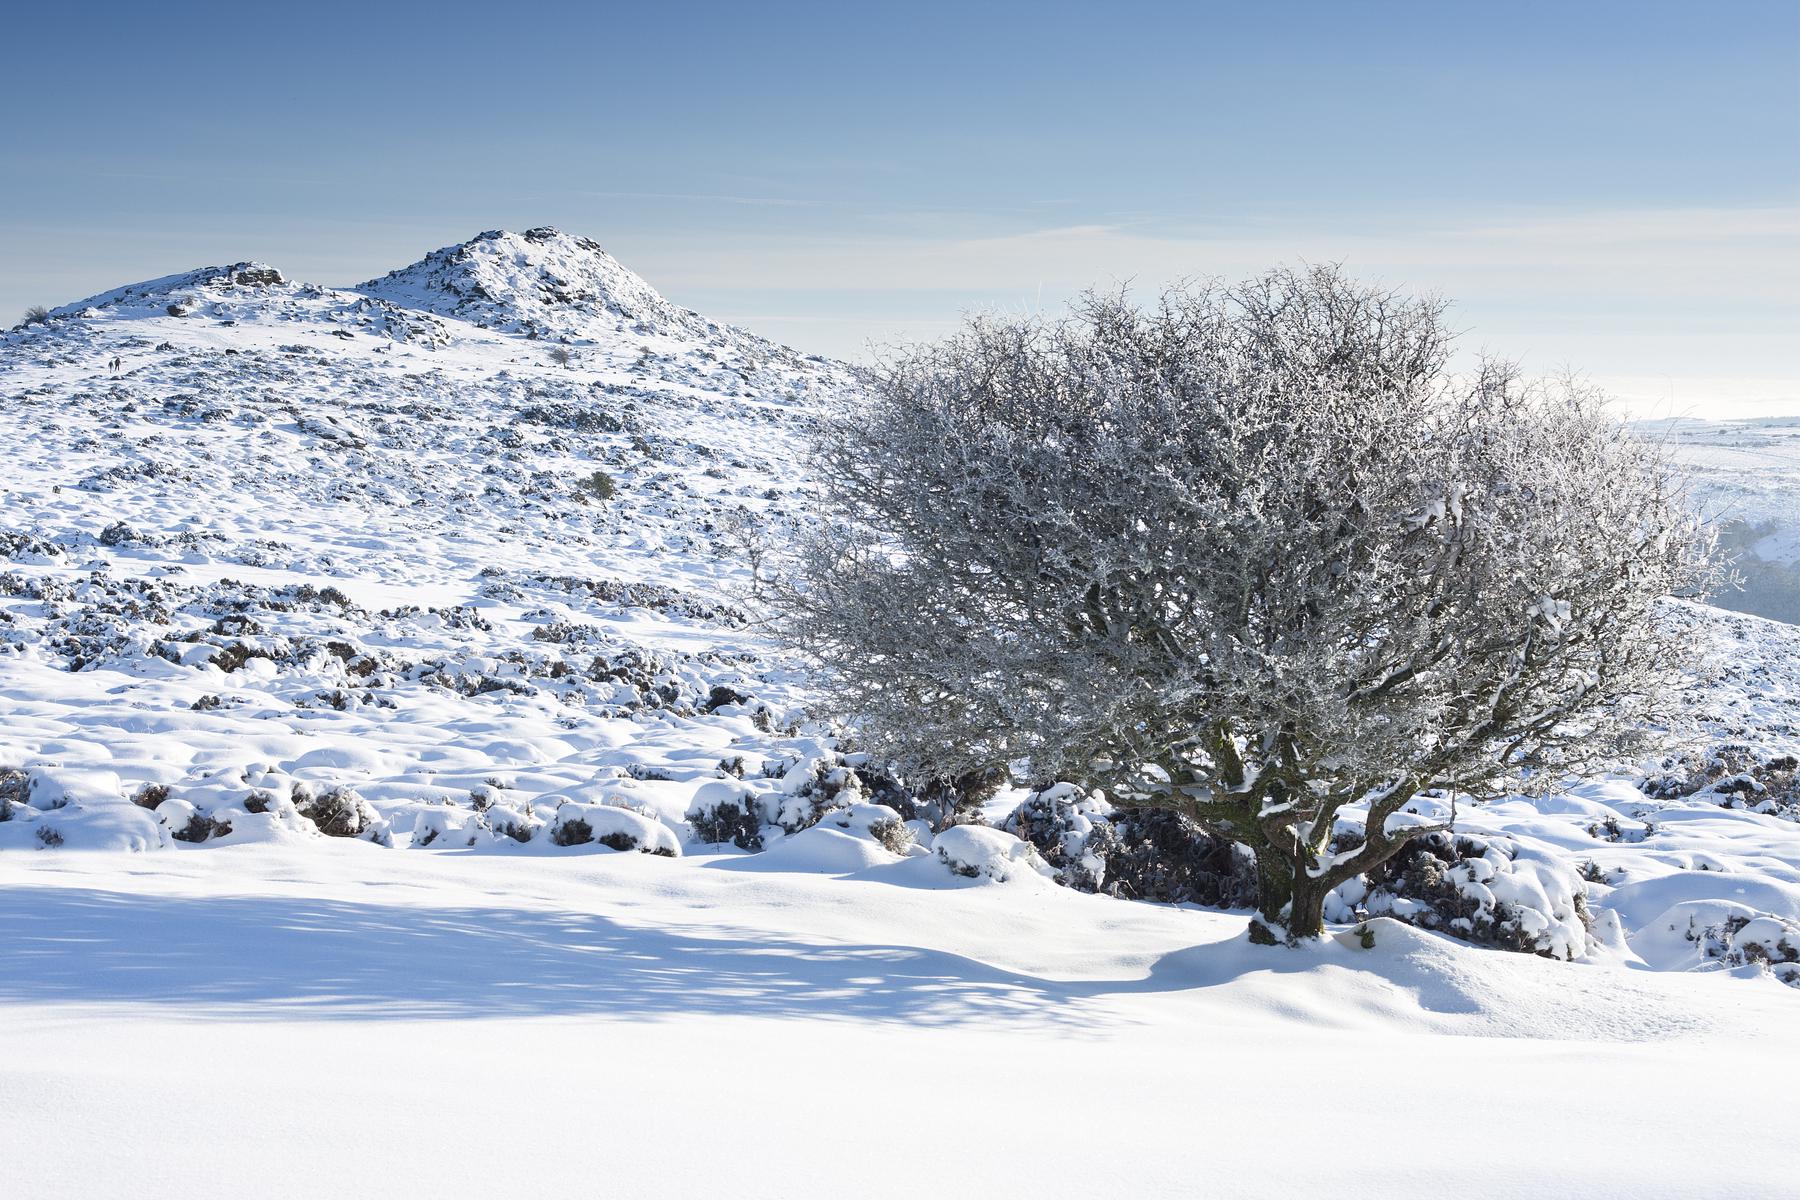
x=1289 y=899
x=1275 y=885
x=1306 y=914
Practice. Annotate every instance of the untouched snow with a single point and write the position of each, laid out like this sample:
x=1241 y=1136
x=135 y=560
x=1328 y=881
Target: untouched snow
x=339 y=559
x=340 y=1019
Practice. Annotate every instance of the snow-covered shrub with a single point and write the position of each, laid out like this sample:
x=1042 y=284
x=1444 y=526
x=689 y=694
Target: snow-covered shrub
x=940 y=801
x=1732 y=775
x=504 y=821
x=1160 y=855
x=572 y=832
x=1138 y=854
x=720 y=696
x=338 y=812
x=877 y=822
x=578 y=823
x=151 y=795
x=49 y=837
x=1071 y=830
x=816 y=788
x=120 y=534
x=186 y=823
x=813 y=785
x=1486 y=889
x=1714 y=934
x=1612 y=830
x=726 y=812
x=37 y=314
x=15 y=788
x=895 y=835
x=599 y=485
x=1742 y=939
x=449 y=825
x=974 y=851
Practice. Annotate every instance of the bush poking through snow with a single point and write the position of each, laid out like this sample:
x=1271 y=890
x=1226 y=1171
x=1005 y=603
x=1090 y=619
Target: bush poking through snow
x=1762 y=940
x=1733 y=775
x=720 y=696
x=940 y=801
x=48 y=837
x=15 y=788
x=201 y=827
x=599 y=485
x=1136 y=854
x=1610 y=830
x=150 y=795
x=1164 y=856
x=726 y=814
x=876 y=822
x=1486 y=890
x=572 y=832
x=892 y=833
x=977 y=851
x=1070 y=830
x=507 y=823
x=37 y=314
x=579 y=823
x=338 y=811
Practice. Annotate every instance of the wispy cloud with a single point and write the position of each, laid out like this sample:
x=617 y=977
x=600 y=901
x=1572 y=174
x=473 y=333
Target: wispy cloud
x=1740 y=252
x=704 y=198
x=1680 y=300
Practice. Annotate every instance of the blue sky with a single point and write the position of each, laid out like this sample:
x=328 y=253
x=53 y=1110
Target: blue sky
x=1610 y=185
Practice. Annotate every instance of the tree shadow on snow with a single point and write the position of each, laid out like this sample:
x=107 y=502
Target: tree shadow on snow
x=255 y=957
x=249 y=958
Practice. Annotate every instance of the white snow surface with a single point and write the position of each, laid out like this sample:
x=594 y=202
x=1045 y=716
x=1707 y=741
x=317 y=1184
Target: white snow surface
x=1747 y=478
x=322 y=557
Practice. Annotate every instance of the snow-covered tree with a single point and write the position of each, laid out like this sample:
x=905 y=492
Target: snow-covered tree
x=1254 y=555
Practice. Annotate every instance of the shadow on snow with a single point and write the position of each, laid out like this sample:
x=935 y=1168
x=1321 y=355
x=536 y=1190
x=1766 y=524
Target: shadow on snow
x=248 y=958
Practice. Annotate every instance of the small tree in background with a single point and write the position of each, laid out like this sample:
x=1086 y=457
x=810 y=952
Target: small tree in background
x=561 y=356
x=1254 y=556
x=37 y=314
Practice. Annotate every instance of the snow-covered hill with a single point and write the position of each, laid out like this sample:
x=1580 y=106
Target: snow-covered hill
x=546 y=284
x=376 y=665
x=1748 y=480
x=316 y=531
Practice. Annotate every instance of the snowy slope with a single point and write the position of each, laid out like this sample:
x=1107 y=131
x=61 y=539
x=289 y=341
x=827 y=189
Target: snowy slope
x=318 y=561
x=367 y=543
x=547 y=284
x=1747 y=476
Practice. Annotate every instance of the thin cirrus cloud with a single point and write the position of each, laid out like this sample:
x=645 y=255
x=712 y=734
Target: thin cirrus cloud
x=704 y=198
x=1682 y=308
